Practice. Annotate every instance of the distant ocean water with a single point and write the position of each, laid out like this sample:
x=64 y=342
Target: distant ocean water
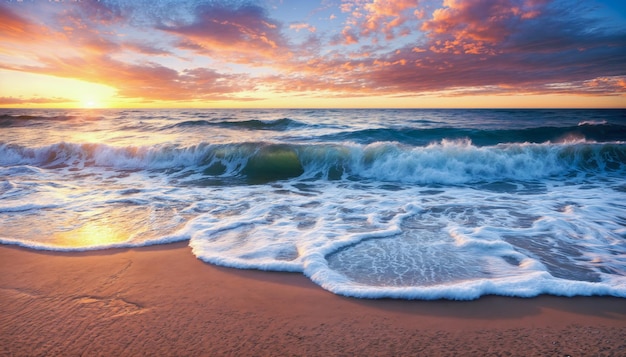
x=410 y=204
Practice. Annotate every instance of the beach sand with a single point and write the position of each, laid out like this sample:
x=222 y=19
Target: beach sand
x=162 y=301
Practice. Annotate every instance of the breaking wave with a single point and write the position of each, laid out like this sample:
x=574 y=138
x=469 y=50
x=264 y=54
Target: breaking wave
x=446 y=162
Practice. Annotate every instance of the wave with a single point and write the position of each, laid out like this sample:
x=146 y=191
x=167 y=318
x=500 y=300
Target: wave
x=36 y=117
x=446 y=162
x=23 y=120
x=254 y=124
x=7 y=120
x=585 y=131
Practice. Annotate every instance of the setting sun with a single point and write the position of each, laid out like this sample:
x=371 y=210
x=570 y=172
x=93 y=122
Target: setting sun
x=90 y=104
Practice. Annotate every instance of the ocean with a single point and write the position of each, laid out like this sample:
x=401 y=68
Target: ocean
x=407 y=204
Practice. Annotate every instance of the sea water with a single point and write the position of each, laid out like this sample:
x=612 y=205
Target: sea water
x=410 y=204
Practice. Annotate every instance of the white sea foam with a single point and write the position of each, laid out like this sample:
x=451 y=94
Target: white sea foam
x=458 y=244
x=365 y=218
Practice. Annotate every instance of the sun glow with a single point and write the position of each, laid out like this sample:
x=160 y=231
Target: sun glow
x=101 y=227
x=91 y=104
x=28 y=90
x=92 y=234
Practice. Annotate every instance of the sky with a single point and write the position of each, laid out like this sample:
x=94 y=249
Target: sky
x=323 y=53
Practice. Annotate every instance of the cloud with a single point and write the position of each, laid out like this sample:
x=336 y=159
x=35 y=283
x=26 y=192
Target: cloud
x=66 y=31
x=92 y=38
x=369 y=19
x=146 y=81
x=349 y=36
x=245 y=29
x=494 y=46
x=99 y=12
x=403 y=47
x=16 y=28
x=13 y=25
x=33 y=100
x=302 y=26
x=387 y=15
x=478 y=26
x=146 y=49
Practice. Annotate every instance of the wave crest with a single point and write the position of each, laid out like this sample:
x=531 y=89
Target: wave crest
x=446 y=162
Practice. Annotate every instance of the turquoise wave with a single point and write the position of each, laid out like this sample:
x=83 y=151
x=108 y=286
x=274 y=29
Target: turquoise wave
x=446 y=162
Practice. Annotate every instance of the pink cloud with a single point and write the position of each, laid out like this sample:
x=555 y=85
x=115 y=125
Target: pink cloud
x=302 y=26
x=349 y=36
x=245 y=29
x=474 y=27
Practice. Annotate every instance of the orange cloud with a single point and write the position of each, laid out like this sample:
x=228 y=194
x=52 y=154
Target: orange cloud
x=474 y=27
x=33 y=100
x=387 y=15
x=12 y=25
x=16 y=29
x=147 y=81
x=375 y=17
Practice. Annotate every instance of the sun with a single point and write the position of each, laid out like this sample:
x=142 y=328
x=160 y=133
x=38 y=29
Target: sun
x=91 y=103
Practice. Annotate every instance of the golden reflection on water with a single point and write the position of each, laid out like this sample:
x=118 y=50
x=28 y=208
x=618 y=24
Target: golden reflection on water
x=93 y=227
x=110 y=225
x=92 y=233
x=115 y=224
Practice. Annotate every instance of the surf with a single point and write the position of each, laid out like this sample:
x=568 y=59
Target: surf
x=446 y=162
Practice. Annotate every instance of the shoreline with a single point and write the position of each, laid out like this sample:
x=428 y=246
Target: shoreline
x=162 y=300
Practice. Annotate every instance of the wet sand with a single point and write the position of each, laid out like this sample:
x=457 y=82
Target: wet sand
x=163 y=301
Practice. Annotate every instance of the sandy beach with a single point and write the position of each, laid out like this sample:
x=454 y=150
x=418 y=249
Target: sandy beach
x=163 y=301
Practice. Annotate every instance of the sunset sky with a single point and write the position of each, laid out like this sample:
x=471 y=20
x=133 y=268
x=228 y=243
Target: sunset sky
x=324 y=53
